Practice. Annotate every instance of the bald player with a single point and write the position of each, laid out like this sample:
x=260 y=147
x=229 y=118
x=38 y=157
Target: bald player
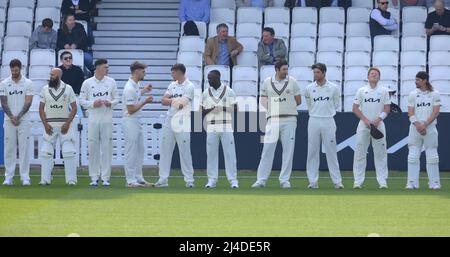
x=371 y=106
x=323 y=99
x=424 y=105
x=57 y=110
x=280 y=96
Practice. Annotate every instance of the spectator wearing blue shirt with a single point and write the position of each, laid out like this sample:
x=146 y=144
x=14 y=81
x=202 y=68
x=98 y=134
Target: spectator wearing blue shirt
x=222 y=49
x=194 y=10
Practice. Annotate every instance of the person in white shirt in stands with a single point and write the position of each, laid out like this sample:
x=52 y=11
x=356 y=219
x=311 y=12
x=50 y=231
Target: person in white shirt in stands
x=16 y=94
x=424 y=105
x=280 y=96
x=131 y=125
x=57 y=110
x=381 y=20
x=218 y=105
x=371 y=106
x=99 y=96
x=323 y=99
x=177 y=127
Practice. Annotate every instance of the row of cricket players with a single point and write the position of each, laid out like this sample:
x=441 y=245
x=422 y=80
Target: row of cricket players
x=280 y=96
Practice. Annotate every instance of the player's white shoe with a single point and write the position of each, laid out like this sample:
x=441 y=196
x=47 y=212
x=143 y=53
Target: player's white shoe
x=161 y=183
x=8 y=182
x=211 y=184
x=258 y=184
x=26 y=183
x=435 y=187
x=144 y=183
x=93 y=183
x=339 y=186
x=234 y=184
x=133 y=185
x=285 y=185
x=106 y=183
x=190 y=185
x=313 y=186
x=383 y=186
x=410 y=186
x=72 y=183
x=357 y=186
x=44 y=183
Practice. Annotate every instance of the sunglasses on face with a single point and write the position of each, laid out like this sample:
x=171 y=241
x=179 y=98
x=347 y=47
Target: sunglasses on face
x=383 y=3
x=67 y=58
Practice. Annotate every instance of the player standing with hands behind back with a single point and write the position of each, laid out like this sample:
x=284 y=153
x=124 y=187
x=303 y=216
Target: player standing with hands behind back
x=424 y=105
x=371 y=106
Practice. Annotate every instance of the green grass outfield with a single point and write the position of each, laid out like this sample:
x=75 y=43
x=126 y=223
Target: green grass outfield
x=59 y=210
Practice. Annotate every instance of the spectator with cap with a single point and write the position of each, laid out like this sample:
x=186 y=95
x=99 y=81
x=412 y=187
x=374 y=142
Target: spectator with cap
x=270 y=49
x=381 y=21
x=438 y=21
x=44 y=36
x=194 y=10
x=222 y=49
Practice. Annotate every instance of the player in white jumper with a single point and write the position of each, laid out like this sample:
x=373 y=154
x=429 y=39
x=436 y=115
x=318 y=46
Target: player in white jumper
x=16 y=94
x=131 y=125
x=99 y=95
x=371 y=106
x=280 y=96
x=323 y=99
x=177 y=127
x=424 y=105
x=57 y=109
x=218 y=105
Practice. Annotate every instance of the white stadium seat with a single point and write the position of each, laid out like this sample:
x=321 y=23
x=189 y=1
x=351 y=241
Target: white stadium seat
x=245 y=73
x=304 y=30
x=413 y=58
x=225 y=73
x=212 y=29
x=281 y=29
x=223 y=4
x=249 y=44
x=386 y=43
x=358 y=14
x=362 y=3
x=19 y=28
x=355 y=73
x=357 y=58
x=440 y=43
x=6 y=71
x=409 y=72
x=385 y=58
x=192 y=44
x=330 y=44
x=301 y=73
x=194 y=73
x=277 y=15
x=358 y=44
x=414 y=14
x=42 y=57
x=407 y=86
x=445 y=101
x=16 y=43
x=190 y=58
x=245 y=88
x=358 y=29
x=440 y=72
x=49 y=3
x=437 y=58
x=332 y=14
x=303 y=44
x=412 y=29
x=334 y=73
x=442 y=86
x=304 y=15
x=48 y=12
x=2 y=15
x=22 y=3
x=7 y=56
x=301 y=59
x=332 y=29
x=388 y=72
x=414 y=43
x=266 y=71
x=222 y=15
x=332 y=58
x=247 y=59
x=352 y=86
x=348 y=102
x=248 y=30
x=250 y=15
x=39 y=72
x=20 y=14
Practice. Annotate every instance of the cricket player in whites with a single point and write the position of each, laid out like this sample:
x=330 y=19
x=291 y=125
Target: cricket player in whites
x=424 y=105
x=16 y=94
x=323 y=99
x=131 y=125
x=280 y=96
x=218 y=105
x=177 y=127
x=99 y=95
x=57 y=109
x=371 y=106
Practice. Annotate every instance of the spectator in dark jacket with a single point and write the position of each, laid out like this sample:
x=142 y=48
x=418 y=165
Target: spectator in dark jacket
x=72 y=35
x=71 y=74
x=323 y=3
x=80 y=8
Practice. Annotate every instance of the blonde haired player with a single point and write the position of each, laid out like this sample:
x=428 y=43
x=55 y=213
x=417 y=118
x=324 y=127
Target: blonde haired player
x=424 y=105
x=280 y=96
x=323 y=99
x=219 y=102
x=371 y=106
x=57 y=109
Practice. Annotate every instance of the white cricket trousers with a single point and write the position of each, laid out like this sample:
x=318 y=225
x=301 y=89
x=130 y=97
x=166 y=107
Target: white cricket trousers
x=415 y=144
x=134 y=149
x=14 y=135
x=212 y=149
x=322 y=131
x=69 y=153
x=363 y=139
x=100 y=148
x=285 y=132
x=173 y=133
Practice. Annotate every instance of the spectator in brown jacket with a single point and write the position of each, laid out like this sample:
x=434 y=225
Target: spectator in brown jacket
x=222 y=49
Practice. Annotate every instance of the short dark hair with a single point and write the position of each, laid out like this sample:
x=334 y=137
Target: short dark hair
x=137 y=66
x=375 y=69
x=99 y=62
x=216 y=72
x=47 y=22
x=270 y=30
x=321 y=66
x=179 y=67
x=221 y=25
x=64 y=53
x=15 y=63
x=280 y=64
